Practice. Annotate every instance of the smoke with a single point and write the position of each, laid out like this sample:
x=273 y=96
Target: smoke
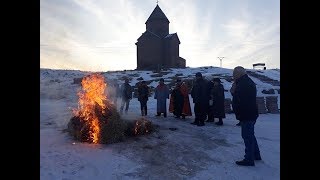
x=131 y=116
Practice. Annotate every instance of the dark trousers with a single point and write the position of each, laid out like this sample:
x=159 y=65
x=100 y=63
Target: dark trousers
x=251 y=146
x=124 y=102
x=200 y=111
x=143 y=107
x=178 y=109
x=210 y=113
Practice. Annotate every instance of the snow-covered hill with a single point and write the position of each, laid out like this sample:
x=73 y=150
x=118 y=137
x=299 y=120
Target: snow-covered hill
x=264 y=79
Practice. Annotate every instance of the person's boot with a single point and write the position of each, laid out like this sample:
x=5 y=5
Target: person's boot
x=245 y=163
x=165 y=114
x=210 y=120
x=201 y=123
x=195 y=122
x=158 y=114
x=142 y=113
x=219 y=123
x=257 y=157
x=177 y=116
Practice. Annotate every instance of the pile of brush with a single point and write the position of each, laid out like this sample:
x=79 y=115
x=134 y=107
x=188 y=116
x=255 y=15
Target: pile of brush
x=112 y=128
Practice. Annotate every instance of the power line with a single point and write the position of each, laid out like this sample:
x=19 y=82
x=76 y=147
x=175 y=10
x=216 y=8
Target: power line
x=221 y=61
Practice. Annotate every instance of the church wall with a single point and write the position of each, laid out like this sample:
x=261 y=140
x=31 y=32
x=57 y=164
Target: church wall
x=149 y=53
x=172 y=53
x=181 y=62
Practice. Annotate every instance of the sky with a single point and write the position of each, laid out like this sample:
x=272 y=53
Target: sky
x=165 y=153
x=100 y=35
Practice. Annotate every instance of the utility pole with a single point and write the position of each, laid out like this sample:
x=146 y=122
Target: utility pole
x=221 y=60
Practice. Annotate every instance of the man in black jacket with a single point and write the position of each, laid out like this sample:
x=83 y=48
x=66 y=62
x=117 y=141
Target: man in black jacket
x=126 y=95
x=200 y=95
x=246 y=111
x=143 y=96
x=217 y=96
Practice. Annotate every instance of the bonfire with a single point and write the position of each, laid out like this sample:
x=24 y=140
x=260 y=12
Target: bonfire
x=96 y=119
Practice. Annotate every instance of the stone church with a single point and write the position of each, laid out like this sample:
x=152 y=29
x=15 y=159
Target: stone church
x=156 y=48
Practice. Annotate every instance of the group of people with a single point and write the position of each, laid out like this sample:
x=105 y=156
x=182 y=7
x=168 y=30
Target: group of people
x=208 y=98
x=244 y=105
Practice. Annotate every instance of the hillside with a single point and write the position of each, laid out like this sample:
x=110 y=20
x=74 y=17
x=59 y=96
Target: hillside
x=267 y=81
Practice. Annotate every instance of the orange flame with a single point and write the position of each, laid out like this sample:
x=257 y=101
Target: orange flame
x=91 y=96
x=136 y=127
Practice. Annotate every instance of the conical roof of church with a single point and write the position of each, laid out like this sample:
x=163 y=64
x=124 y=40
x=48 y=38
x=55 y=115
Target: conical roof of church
x=157 y=13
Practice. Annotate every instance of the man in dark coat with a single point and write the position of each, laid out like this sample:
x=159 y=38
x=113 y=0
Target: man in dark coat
x=161 y=94
x=247 y=112
x=176 y=100
x=143 y=95
x=200 y=95
x=126 y=95
x=217 y=97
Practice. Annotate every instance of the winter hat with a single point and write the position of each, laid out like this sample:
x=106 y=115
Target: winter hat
x=162 y=80
x=238 y=72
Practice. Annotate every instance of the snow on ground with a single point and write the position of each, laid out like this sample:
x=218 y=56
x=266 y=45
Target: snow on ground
x=271 y=73
x=189 y=152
